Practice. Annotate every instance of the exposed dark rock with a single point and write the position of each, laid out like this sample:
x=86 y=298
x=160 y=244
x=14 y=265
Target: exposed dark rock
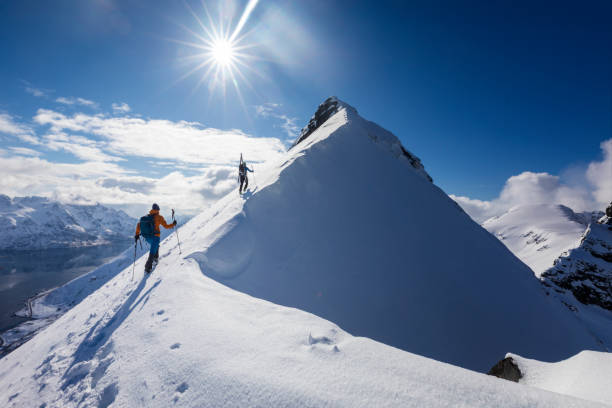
x=506 y=369
x=331 y=106
x=586 y=272
x=325 y=111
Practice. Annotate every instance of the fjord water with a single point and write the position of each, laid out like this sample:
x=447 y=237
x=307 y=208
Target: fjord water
x=24 y=274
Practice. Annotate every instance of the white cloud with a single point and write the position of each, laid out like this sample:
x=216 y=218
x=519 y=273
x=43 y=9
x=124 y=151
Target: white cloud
x=201 y=160
x=600 y=174
x=9 y=126
x=543 y=188
x=35 y=91
x=270 y=110
x=81 y=147
x=182 y=141
x=24 y=151
x=76 y=101
x=121 y=107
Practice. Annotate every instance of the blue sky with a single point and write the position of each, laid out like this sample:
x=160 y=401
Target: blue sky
x=481 y=91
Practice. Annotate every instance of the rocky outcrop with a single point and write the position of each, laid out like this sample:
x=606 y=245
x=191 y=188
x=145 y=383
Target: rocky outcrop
x=586 y=271
x=332 y=105
x=325 y=111
x=506 y=369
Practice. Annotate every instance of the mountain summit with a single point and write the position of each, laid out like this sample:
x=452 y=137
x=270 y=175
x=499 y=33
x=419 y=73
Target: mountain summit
x=349 y=226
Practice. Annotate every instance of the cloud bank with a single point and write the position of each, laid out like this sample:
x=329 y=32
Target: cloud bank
x=123 y=160
x=594 y=193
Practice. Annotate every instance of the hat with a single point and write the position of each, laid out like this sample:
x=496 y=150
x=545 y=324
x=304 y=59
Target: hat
x=155 y=207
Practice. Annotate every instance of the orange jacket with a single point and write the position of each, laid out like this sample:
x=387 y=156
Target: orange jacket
x=159 y=220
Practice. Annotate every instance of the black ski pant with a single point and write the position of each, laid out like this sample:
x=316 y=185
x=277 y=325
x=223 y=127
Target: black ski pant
x=245 y=180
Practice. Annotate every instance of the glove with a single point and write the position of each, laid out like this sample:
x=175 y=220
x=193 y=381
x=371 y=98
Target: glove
x=174 y=223
x=136 y=237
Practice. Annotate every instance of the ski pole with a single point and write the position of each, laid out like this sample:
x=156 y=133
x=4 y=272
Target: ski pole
x=176 y=230
x=254 y=181
x=135 y=247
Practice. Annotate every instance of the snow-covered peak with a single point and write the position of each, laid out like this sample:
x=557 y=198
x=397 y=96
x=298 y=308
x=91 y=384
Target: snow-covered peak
x=38 y=222
x=381 y=137
x=326 y=110
x=345 y=227
x=539 y=233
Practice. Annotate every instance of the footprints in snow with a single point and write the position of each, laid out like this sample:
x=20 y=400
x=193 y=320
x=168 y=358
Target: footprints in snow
x=180 y=389
x=108 y=395
x=175 y=346
x=324 y=342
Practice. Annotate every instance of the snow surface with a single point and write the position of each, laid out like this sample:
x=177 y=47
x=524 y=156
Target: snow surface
x=586 y=375
x=345 y=227
x=177 y=338
x=539 y=234
x=318 y=232
x=39 y=223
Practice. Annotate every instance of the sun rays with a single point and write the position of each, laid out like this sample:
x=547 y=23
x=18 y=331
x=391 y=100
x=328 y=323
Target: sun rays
x=222 y=56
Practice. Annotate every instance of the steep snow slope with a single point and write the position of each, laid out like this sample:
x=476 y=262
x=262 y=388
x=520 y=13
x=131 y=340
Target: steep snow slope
x=37 y=223
x=180 y=339
x=539 y=234
x=586 y=375
x=349 y=227
x=582 y=280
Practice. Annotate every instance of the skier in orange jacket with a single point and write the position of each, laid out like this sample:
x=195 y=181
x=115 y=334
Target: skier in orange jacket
x=148 y=227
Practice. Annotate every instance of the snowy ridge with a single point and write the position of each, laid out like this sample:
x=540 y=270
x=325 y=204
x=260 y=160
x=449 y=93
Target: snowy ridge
x=585 y=375
x=383 y=137
x=39 y=223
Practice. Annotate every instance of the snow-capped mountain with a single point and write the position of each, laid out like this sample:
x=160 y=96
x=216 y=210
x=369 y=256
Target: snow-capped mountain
x=391 y=257
x=39 y=223
x=538 y=234
x=348 y=226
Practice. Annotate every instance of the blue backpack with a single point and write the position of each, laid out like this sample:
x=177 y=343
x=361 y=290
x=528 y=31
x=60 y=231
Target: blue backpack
x=147 y=225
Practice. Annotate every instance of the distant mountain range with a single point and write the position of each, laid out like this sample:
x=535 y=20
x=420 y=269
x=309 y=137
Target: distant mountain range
x=40 y=223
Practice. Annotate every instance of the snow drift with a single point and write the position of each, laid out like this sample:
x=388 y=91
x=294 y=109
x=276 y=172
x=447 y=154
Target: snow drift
x=585 y=375
x=348 y=226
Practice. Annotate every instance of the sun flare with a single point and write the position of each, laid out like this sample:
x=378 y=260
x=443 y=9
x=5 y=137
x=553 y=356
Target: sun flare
x=224 y=54
x=222 y=51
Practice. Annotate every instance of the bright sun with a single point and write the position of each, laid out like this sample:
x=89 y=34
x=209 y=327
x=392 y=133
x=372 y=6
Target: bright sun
x=222 y=52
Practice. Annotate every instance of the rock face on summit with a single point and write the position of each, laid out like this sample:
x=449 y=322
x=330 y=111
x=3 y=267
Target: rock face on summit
x=348 y=226
x=330 y=107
